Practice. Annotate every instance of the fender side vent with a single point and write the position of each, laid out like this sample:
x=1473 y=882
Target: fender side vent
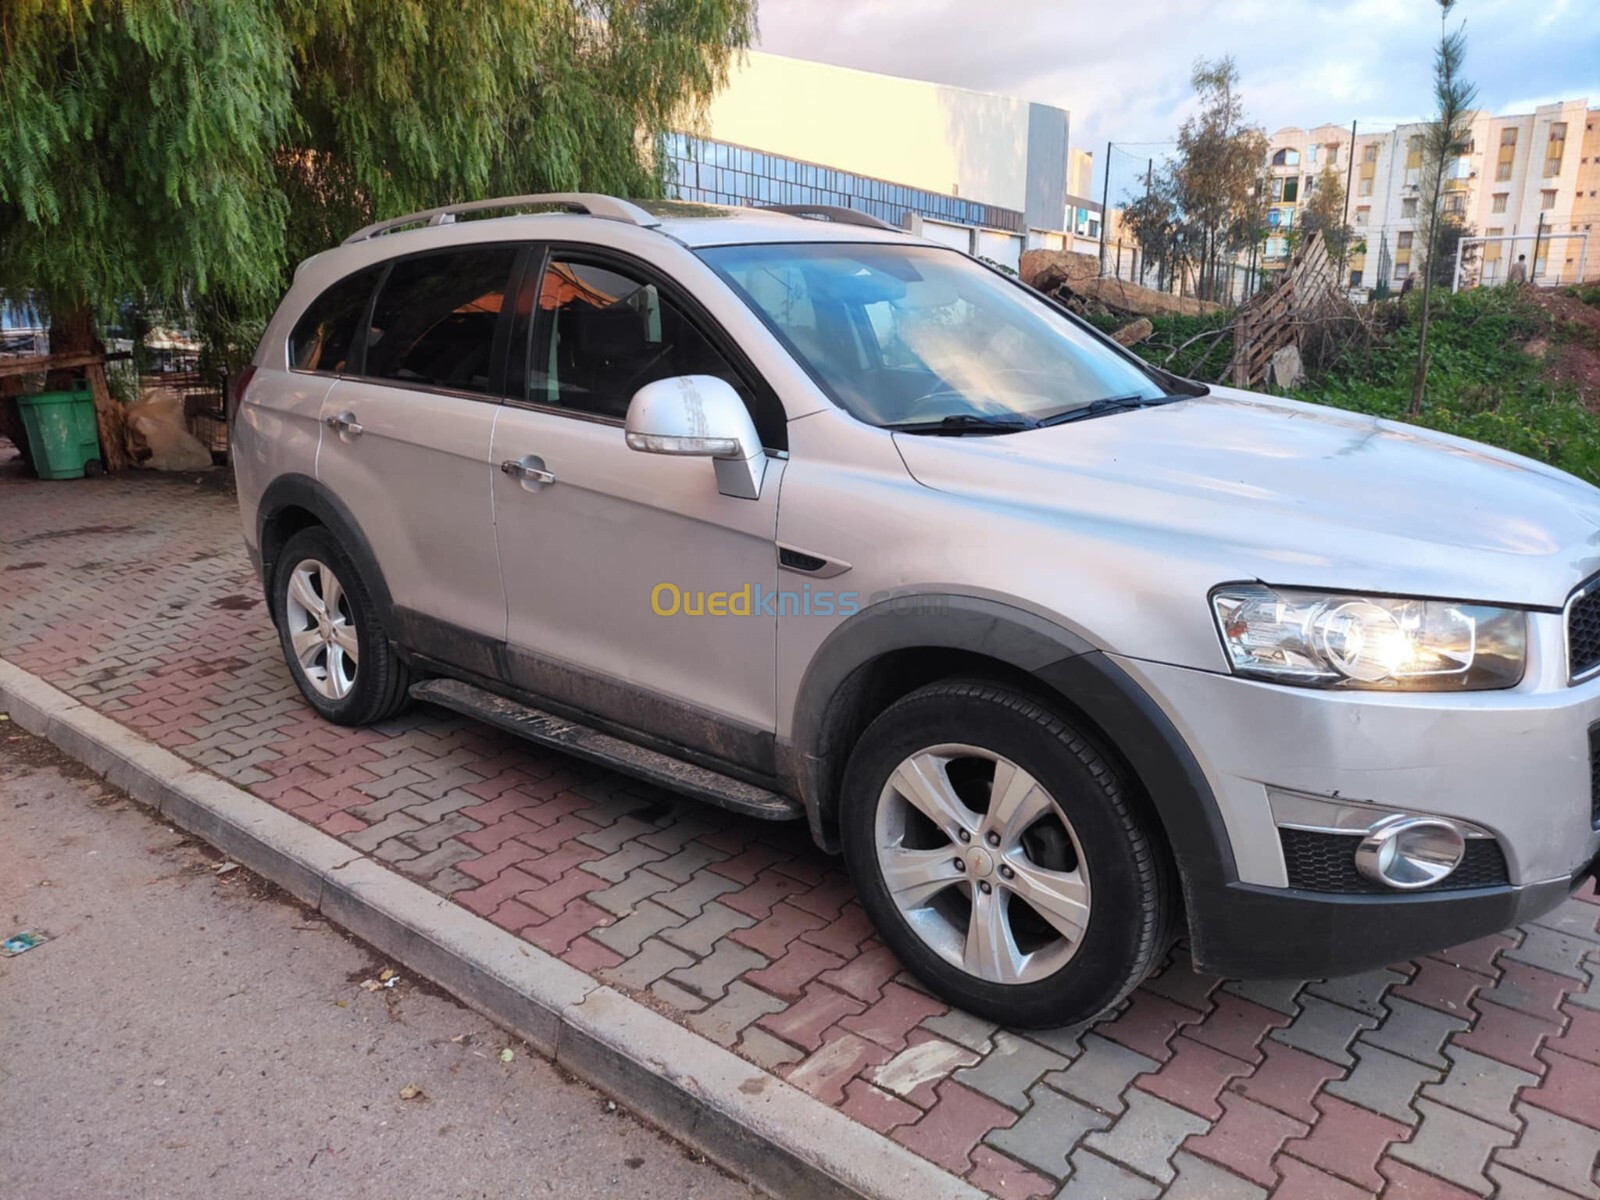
x=795 y=560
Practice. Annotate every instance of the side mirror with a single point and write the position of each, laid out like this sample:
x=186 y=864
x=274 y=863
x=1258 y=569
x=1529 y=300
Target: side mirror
x=700 y=416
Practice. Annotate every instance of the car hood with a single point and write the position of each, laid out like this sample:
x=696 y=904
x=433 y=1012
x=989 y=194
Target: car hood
x=1292 y=493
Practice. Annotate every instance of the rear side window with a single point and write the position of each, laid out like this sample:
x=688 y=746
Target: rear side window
x=436 y=318
x=326 y=333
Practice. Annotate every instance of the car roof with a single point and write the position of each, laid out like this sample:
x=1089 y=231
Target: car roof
x=698 y=225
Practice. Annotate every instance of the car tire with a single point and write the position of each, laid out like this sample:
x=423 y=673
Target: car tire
x=1002 y=856
x=338 y=654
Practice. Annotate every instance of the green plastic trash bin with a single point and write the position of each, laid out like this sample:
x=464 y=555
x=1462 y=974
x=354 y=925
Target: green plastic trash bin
x=62 y=435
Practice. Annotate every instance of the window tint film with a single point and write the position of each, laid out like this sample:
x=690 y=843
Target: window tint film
x=325 y=334
x=435 y=319
x=602 y=334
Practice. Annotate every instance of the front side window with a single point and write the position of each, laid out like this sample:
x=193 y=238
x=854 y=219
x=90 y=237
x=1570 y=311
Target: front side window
x=436 y=316
x=325 y=334
x=602 y=333
x=907 y=335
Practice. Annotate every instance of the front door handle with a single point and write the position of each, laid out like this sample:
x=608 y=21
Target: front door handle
x=530 y=469
x=346 y=423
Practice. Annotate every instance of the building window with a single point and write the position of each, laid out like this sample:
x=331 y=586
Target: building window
x=1311 y=156
x=1311 y=185
x=1403 y=240
x=1408 y=207
x=1499 y=203
x=1355 y=279
x=1555 y=150
x=1291 y=191
x=1455 y=203
x=1508 y=136
x=1414 y=144
x=1363 y=214
x=1401 y=270
x=1370 y=153
x=1366 y=187
x=1286 y=158
x=1413 y=176
x=1547 y=199
x=1277 y=190
x=1333 y=154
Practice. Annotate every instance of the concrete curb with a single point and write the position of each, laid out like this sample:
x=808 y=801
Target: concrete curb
x=744 y=1119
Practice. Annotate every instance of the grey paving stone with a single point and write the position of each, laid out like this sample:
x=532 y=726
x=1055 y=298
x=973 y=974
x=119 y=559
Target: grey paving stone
x=620 y=899
x=1589 y=995
x=1324 y=1029
x=1453 y=1146
x=393 y=802
x=1182 y=984
x=689 y=898
x=1280 y=995
x=445 y=807
x=1363 y=992
x=613 y=837
x=1415 y=1031
x=682 y=865
x=396 y=851
x=964 y=1028
x=1480 y=1087
x=682 y=1000
x=1010 y=1070
x=431 y=837
x=725 y=1020
x=1094 y=1178
x=1550 y=949
x=450 y=881
x=391 y=826
x=711 y=976
x=1555 y=1150
x=645 y=921
x=1514 y=1185
x=1147 y=1135
x=1575 y=918
x=702 y=933
x=618 y=866
x=673 y=837
x=1385 y=1083
x=1201 y=1179
x=1048 y=1132
x=761 y=1048
x=655 y=959
x=445 y=856
x=1100 y=1075
x=391 y=782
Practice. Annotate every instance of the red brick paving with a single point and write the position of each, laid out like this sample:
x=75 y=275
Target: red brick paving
x=123 y=616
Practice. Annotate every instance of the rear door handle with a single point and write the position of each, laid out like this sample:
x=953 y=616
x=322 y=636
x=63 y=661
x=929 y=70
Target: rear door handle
x=530 y=469
x=346 y=422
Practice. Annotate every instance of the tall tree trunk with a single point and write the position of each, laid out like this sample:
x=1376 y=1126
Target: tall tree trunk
x=73 y=332
x=1419 y=380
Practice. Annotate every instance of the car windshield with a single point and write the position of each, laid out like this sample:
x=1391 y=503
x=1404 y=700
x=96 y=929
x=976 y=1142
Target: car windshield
x=923 y=337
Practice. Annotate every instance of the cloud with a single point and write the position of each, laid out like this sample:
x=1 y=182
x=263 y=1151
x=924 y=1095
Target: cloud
x=1123 y=69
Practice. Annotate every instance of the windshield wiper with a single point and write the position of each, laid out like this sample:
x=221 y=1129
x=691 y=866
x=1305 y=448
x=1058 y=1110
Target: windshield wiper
x=1111 y=404
x=963 y=423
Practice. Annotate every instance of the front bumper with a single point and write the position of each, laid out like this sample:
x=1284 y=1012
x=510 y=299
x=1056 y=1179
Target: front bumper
x=1513 y=763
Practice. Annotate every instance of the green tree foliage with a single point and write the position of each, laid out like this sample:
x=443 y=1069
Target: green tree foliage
x=190 y=151
x=1444 y=140
x=1324 y=214
x=1208 y=203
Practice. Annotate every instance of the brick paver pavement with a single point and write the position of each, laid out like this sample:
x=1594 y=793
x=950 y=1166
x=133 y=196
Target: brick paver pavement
x=1462 y=1073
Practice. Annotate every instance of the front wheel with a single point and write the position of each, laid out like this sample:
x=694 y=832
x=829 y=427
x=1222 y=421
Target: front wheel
x=1001 y=857
x=331 y=636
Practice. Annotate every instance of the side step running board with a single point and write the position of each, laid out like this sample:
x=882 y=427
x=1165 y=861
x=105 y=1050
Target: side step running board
x=549 y=730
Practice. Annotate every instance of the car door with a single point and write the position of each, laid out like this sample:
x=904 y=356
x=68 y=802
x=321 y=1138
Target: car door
x=407 y=438
x=635 y=590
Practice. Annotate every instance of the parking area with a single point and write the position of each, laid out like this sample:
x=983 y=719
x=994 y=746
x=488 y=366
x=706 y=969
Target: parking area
x=1468 y=1073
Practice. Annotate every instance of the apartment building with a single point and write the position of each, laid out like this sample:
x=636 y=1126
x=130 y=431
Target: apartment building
x=1532 y=179
x=992 y=175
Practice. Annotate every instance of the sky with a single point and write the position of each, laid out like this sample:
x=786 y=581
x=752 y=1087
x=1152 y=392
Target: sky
x=1122 y=66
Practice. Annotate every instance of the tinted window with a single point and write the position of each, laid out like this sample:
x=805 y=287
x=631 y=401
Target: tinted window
x=435 y=319
x=323 y=336
x=602 y=334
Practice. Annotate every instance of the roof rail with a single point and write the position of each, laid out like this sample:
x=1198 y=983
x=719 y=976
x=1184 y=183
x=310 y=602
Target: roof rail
x=836 y=213
x=593 y=204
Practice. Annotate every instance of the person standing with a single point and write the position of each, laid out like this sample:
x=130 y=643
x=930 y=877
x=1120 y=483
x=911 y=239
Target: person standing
x=1519 y=271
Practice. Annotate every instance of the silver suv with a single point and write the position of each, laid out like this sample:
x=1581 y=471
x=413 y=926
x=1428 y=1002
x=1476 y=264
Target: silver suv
x=810 y=519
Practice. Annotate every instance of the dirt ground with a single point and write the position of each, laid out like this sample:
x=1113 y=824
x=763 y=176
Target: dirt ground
x=1574 y=353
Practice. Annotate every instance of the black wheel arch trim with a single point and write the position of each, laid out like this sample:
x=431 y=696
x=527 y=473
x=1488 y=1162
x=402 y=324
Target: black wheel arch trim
x=304 y=492
x=1106 y=696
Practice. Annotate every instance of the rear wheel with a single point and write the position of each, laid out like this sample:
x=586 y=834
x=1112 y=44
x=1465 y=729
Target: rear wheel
x=331 y=636
x=1001 y=857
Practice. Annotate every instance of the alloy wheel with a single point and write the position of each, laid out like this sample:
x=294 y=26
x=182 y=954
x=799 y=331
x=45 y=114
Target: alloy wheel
x=982 y=863
x=322 y=629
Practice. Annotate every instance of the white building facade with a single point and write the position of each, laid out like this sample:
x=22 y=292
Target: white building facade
x=988 y=174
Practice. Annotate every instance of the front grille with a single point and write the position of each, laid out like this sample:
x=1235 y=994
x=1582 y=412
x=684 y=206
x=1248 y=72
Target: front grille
x=1594 y=775
x=1326 y=862
x=1583 y=630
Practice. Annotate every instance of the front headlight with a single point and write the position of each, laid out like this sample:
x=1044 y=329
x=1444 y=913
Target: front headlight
x=1322 y=639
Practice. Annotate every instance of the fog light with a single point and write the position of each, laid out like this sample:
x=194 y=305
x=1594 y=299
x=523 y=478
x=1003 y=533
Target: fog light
x=1410 y=852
